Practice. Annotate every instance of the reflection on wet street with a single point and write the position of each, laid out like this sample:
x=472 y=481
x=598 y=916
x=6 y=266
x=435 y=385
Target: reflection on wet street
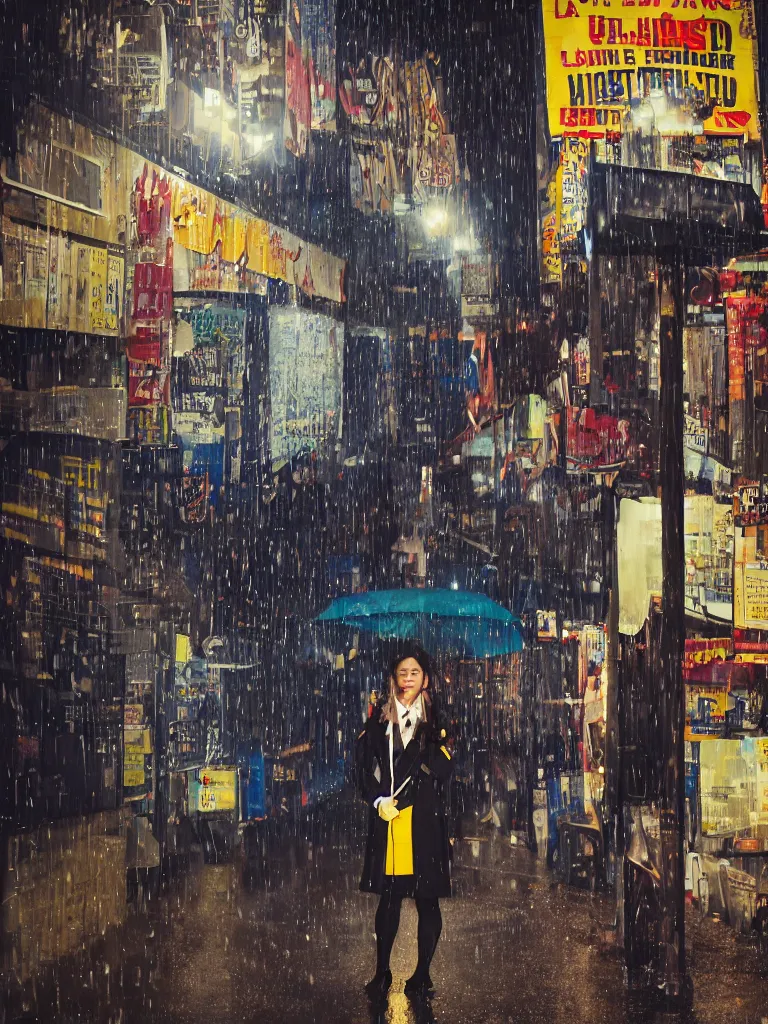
x=298 y=947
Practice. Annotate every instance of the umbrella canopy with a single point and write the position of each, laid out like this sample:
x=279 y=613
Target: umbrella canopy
x=445 y=621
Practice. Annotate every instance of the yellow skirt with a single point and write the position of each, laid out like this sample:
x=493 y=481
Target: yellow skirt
x=400 y=844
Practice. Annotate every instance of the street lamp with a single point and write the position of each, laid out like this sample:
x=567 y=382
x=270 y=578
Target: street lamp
x=435 y=217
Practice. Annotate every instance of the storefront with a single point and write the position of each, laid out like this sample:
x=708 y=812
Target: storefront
x=213 y=808
x=733 y=842
x=727 y=820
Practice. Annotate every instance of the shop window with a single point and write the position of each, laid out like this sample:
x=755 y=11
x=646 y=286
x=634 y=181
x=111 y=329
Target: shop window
x=57 y=170
x=731 y=792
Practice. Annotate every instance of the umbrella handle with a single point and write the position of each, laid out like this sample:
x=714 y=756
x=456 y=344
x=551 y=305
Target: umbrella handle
x=401 y=787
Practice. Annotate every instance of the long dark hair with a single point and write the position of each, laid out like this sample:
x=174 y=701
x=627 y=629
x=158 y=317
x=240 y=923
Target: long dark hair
x=420 y=656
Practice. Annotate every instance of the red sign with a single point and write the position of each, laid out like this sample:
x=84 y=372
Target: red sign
x=596 y=441
x=746 y=333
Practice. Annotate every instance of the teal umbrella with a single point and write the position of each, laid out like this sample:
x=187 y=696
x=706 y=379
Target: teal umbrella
x=444 y=621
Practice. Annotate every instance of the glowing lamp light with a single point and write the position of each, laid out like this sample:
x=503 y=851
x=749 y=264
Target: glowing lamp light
x=211 y=98
x=435 y=218
x=257 y=141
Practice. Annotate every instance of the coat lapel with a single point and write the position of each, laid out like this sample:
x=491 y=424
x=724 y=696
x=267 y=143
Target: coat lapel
x=409 y=759
x=406 y=760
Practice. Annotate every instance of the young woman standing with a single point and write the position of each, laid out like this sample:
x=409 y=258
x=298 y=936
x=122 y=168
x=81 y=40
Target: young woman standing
x=403 y=766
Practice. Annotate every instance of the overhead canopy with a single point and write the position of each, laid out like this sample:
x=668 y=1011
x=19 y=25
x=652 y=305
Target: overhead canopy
x=638 y=210
x=444 y=621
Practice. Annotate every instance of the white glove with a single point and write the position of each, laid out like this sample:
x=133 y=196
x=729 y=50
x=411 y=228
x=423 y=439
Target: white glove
x=387 y=808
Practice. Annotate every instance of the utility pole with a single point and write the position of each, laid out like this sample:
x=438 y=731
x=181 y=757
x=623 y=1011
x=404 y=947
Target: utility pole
x=671 y=692
x=651 y=886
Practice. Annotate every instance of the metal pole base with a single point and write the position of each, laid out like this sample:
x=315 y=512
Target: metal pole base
x=666 y=1004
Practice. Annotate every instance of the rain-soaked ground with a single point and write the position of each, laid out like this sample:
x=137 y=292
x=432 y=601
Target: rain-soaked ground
x=516 y=947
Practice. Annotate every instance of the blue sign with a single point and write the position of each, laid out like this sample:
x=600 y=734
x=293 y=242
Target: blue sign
x=252 y=784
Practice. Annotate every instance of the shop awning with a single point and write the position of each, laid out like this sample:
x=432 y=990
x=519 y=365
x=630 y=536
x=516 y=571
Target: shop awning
x=648 y=211
x=732 y=674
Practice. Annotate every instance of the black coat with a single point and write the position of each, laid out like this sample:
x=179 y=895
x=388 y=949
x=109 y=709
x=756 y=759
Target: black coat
x=428 y=764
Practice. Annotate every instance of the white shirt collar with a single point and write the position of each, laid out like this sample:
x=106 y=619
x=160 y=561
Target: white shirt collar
x=413 y=712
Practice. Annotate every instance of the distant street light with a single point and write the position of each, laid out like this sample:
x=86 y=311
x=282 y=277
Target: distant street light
x=435 y=218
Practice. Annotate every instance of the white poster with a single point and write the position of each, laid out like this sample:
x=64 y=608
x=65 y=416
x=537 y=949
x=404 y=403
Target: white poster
x=640 y=571
x=305 y=367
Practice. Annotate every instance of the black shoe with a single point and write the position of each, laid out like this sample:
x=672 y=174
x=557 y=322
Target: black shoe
x=378 y=986
x=419 y=986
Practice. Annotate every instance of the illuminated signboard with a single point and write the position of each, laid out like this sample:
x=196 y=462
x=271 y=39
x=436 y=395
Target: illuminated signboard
x=678 y=66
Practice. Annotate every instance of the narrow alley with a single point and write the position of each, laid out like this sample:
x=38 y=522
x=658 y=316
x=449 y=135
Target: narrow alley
x=519 y=947
x=384 y=511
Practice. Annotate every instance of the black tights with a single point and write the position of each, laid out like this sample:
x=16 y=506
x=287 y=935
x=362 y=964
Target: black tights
x=388 y=921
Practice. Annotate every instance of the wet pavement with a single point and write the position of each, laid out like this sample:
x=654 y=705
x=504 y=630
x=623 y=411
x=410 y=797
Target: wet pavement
x=298 y=947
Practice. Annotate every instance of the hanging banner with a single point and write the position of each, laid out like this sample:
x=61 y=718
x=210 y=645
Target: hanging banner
x=113 y=296
x=150 y=280
x=148 y=424
x=186 y=718
x=751 y=577
x=305 y=365
x=257 y=51
x=35 y=275
x=319 y=29
x=316 y=272
x=755 y=596
x=708 y=558
x=638 y=538
x=747 y=335
x=477 y=287
x=761 y=749
x=207 y=383
x=574 y=198
x=193 y=272
x=12 y=297
x=219 y=247
x=147 y=385
x=98 y=290
x=137 y=749
x=298 y=114
x=692 y=65
x=60 y=282
x=704 y=652
x=82 y=273
x=550 y=213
